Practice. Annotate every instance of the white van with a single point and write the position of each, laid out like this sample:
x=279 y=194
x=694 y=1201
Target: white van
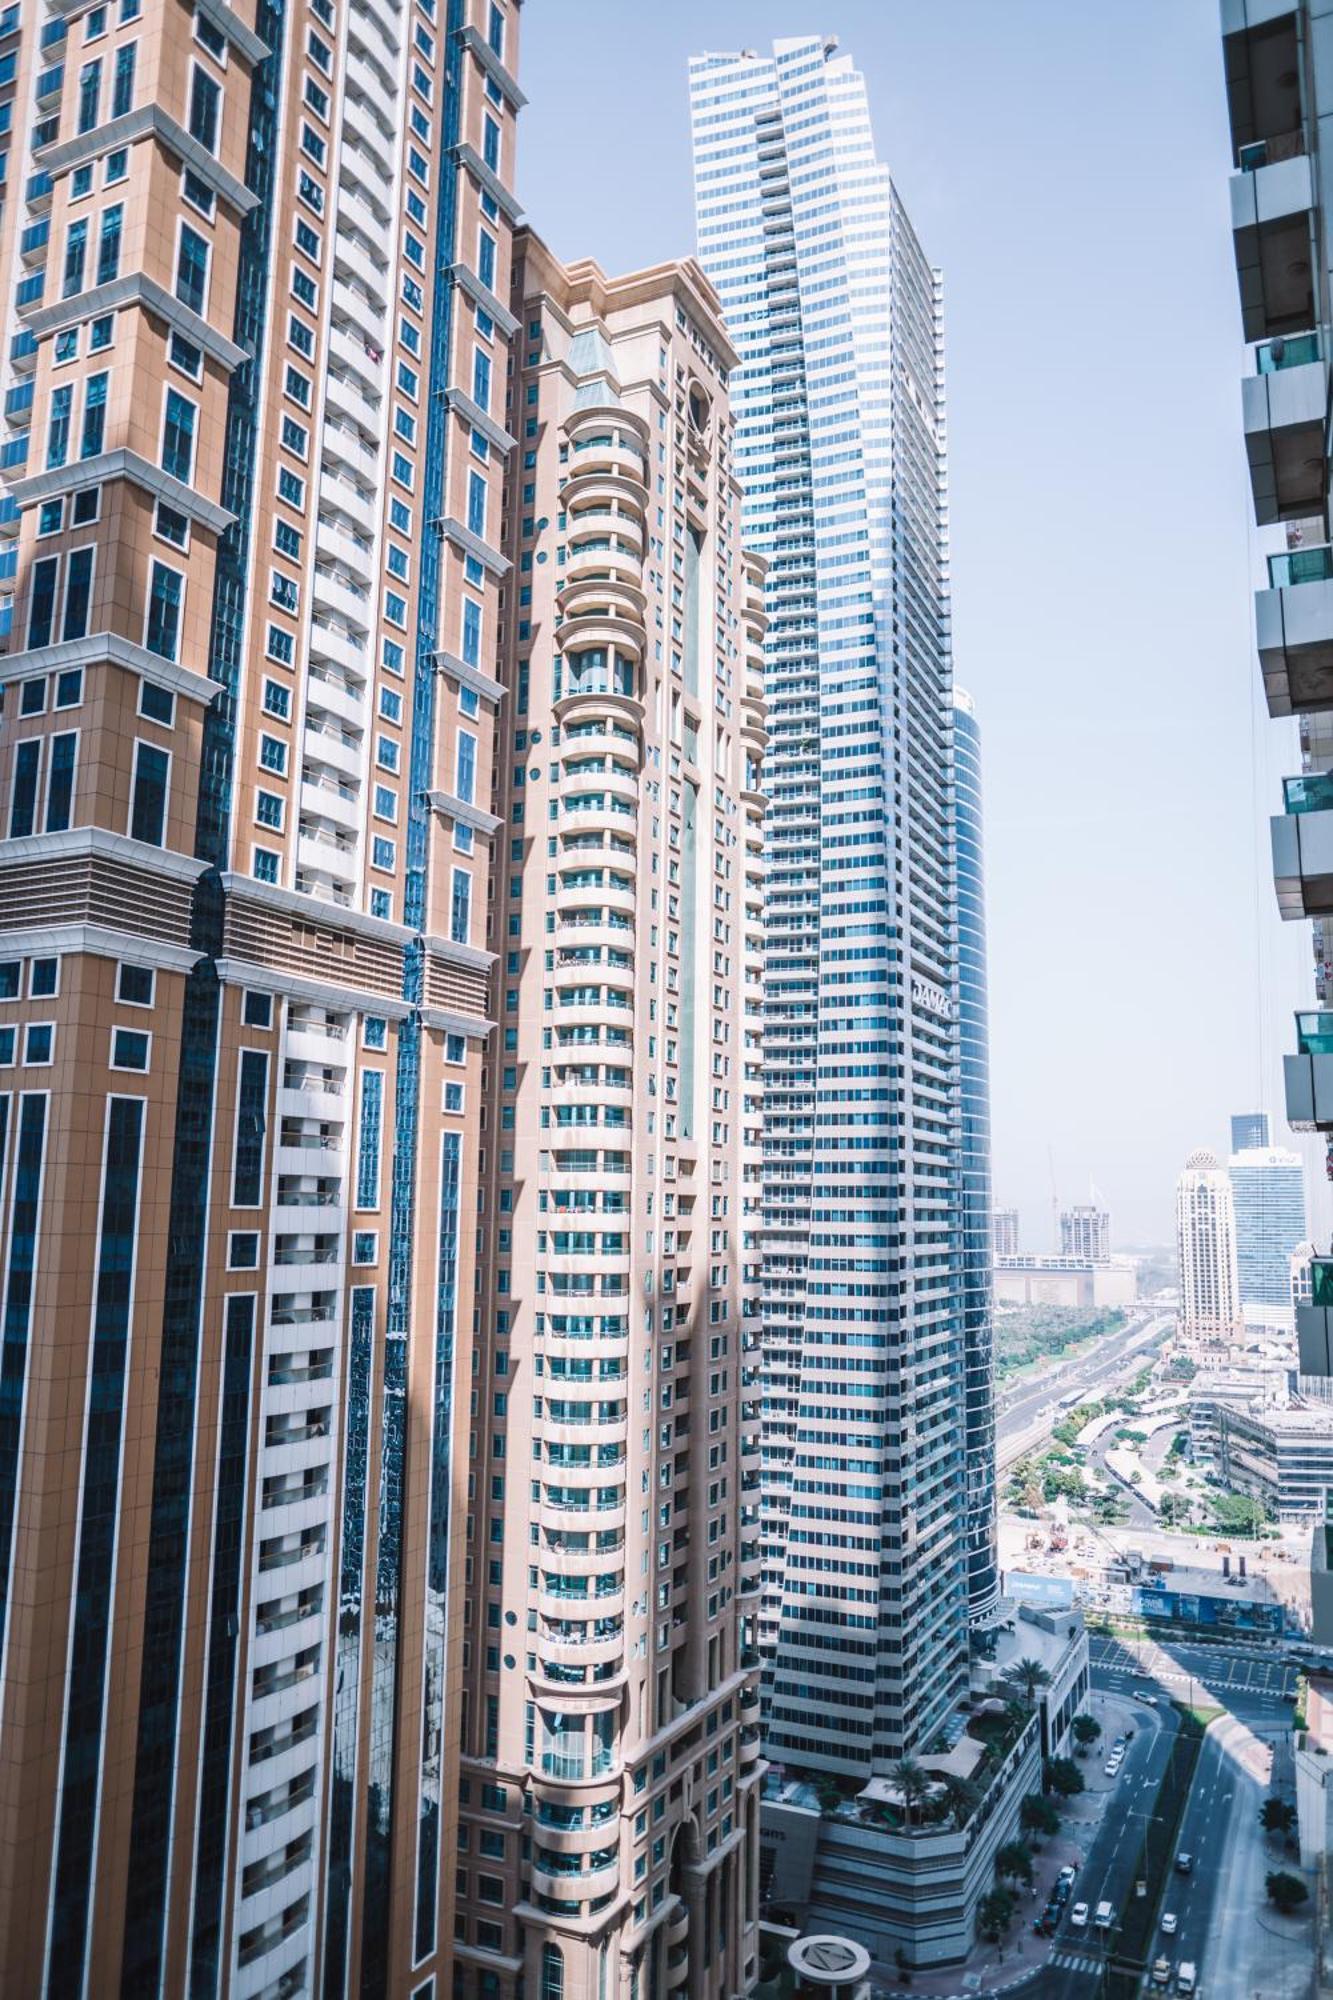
x=1103 y=1919
x=1185 y=1977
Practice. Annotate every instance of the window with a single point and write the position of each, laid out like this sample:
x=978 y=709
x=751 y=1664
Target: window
x=465 y=767
x=382 y=852
x=178 y=436
x=553 y=1973
x=23 y=799
x=86 y=507
x=287 y=540
x=300 y=336
x=368 y=1140
x=481 y=379
x=39 y=1044
x=212 y=38
x=171 y=526
x=108 y=245
x=386 y=753
x=42 y=606
x=50 y=517
x=7 y=1037
x=205 y=99
x=66 y=345
x=164 y=611
x=69 y=688
x=257 y=1010
x=94 y=417
x=100 y=333
x=264 y=865
x=486 y=259
x=157 y=704
x=273 y=754
x=269 y=809
x=476 y=504
x=60 y=782
x=247 y=1182
x=122 y=90
x=183 y=354
x=134 y=985
x=148 y=803
x=471 y=632
x=490 y=143
x=243 y=1250
x=192 y=269
x=90 y=95
x=78 y=593
x=117 y=166
x=386 y=803
x=291 y=487
x=460 y=907
x=32 y=699
x=57 y=435
x=365 y=1246
x=129 y=1048
x=197 y=192
x=277 y=700
x=44 y=978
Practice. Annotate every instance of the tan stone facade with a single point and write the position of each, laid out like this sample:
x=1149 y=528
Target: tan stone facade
x=255 y=260
x=609 y=1818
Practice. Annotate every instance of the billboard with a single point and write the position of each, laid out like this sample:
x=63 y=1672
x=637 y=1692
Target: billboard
x=1228 y=1614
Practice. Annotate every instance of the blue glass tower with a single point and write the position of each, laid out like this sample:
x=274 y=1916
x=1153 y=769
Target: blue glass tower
x=983 y=1572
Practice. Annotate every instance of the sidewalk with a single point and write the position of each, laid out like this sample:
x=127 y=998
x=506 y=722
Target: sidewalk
x=986 y=1969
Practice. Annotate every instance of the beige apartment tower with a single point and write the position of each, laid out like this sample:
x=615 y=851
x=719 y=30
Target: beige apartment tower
x=255 y=259
x=608 y=1839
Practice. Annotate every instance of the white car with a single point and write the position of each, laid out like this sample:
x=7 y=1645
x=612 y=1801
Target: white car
x=1113 y=1768
x=1078 y=1916
x=1169 y=1922
x=1105 y=1916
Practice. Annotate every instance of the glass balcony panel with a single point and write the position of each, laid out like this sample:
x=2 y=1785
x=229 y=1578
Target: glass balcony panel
x=1300 y=566
x=1313 y=793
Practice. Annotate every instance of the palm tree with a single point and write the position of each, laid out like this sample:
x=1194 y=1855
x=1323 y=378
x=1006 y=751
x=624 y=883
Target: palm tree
x=913 y=1783
x=1033 y=1675
x=961 y=1797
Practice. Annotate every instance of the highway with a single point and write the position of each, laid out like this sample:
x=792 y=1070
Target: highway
x=1029 y=1404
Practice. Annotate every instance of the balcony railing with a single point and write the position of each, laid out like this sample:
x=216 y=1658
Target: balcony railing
x=1267 y=152
x=1300 y=566
x=1294 y=350
x=1308 y=794
x=1314 y=1034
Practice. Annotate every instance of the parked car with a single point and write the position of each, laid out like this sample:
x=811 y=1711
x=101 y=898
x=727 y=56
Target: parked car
x=1060 y=1892
x=1169 y=1922
x=1161 y=1972
x=1078 y=1916
x=1184 y=1864
x=1067 y=1874
x=1112 y=1767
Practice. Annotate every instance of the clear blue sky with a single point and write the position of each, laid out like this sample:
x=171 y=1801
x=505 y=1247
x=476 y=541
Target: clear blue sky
x=1066 y=165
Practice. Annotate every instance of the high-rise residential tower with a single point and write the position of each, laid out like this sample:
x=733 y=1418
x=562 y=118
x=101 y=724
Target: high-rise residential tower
x=253 y=362
x=609 y=1837
x=1004 y=1232
x=838 y=397
x=1268 y=1193
x=1249 y=1129
x=840 y=448
x=983 y=1566
x=1085 y=1232
x=1206 y=1247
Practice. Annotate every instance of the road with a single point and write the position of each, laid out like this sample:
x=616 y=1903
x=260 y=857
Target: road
x=1223 y=1923
x=1119 y=1354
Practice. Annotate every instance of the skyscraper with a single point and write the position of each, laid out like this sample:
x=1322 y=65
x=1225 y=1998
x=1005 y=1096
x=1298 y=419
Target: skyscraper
x=254 y=269
x=1206 y=1246
x=983 y=1568
x=1249 y=1129
x=840 y=449
x=1085 y=1231
x=610 y=1719
x=1005 y=1232
x=1268 y=1192
x=838 y=397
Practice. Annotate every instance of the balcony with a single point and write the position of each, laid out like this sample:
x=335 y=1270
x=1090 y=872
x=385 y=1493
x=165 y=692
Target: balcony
x=1285 y=405
x=1294 y=631
x=1261 y=56
x=1302 y=839
x=1272 y=204
x=1314 y=1321
x=1308 y=1075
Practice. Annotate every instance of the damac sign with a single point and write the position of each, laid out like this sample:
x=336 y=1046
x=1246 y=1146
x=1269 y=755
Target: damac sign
x=934 y=999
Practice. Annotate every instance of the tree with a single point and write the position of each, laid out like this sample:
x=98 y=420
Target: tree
x=1285 y=1892
x=913 y=1783
x=1063 y=1777
x=961 y=1797
x=1038 y=1814
x=1033 y=1675
x=1013 y=1862
x=1086 y=1731
x=995 y=1913
x=1276 y=1816
x=1237 y=1513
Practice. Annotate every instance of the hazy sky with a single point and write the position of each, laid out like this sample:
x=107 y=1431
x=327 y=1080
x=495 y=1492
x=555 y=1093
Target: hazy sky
x=1066 y=165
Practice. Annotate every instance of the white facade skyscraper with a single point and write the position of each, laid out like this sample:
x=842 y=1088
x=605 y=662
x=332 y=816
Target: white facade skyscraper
x=840 y=450
x=1206 y=1240
x=1268 y=1192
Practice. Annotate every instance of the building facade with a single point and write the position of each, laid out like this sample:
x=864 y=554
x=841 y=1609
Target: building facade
x=1206 y=1248
x=1005 y=1232
x=983 y=1561
x=1250 y=1129
x=1268 y=1195
x=1085 y=1233
x=255 y=263
x=611 y=1755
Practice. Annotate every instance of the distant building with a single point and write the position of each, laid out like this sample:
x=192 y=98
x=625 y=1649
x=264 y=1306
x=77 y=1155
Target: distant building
x=1302 y=1275
x=1248 y=1130
x=1268 y=1193
x=1086 y=1232
x=1004 y=1231
x=1206 y=1243
x=1065 y=1281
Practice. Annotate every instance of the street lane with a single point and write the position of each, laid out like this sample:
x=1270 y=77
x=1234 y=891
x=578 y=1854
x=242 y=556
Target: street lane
x=1118 y=1355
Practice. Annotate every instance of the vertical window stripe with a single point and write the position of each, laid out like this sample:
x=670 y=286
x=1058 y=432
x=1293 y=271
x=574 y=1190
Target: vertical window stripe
x=347 y=1682
x=369 y=1132
x=99 y=1515
x=247 y=1167
x=24 y=1216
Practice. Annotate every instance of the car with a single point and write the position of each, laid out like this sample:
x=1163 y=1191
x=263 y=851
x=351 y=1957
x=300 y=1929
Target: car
x=1184 y=1864
x=1186 y=1978
x=1067 y=1875
x=1060 y=1892
x=1112 y=1767
x=1169 y=1922
x=1078 y=1916
x=1104 y=1916
x=1119 y=1743
x=1161 y=1972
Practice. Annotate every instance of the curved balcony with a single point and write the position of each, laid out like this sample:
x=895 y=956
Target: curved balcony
x=750 y=1745
x=578 y=704
x=600 y=597
x=602 y=631
x=593 y=1430
x=590 y=1651
x=593 y=1089
x=596 y=561
x=558 y=1558
x=677 y=1926
x=678 y=1967
x=572 y=898
x=598 y=522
